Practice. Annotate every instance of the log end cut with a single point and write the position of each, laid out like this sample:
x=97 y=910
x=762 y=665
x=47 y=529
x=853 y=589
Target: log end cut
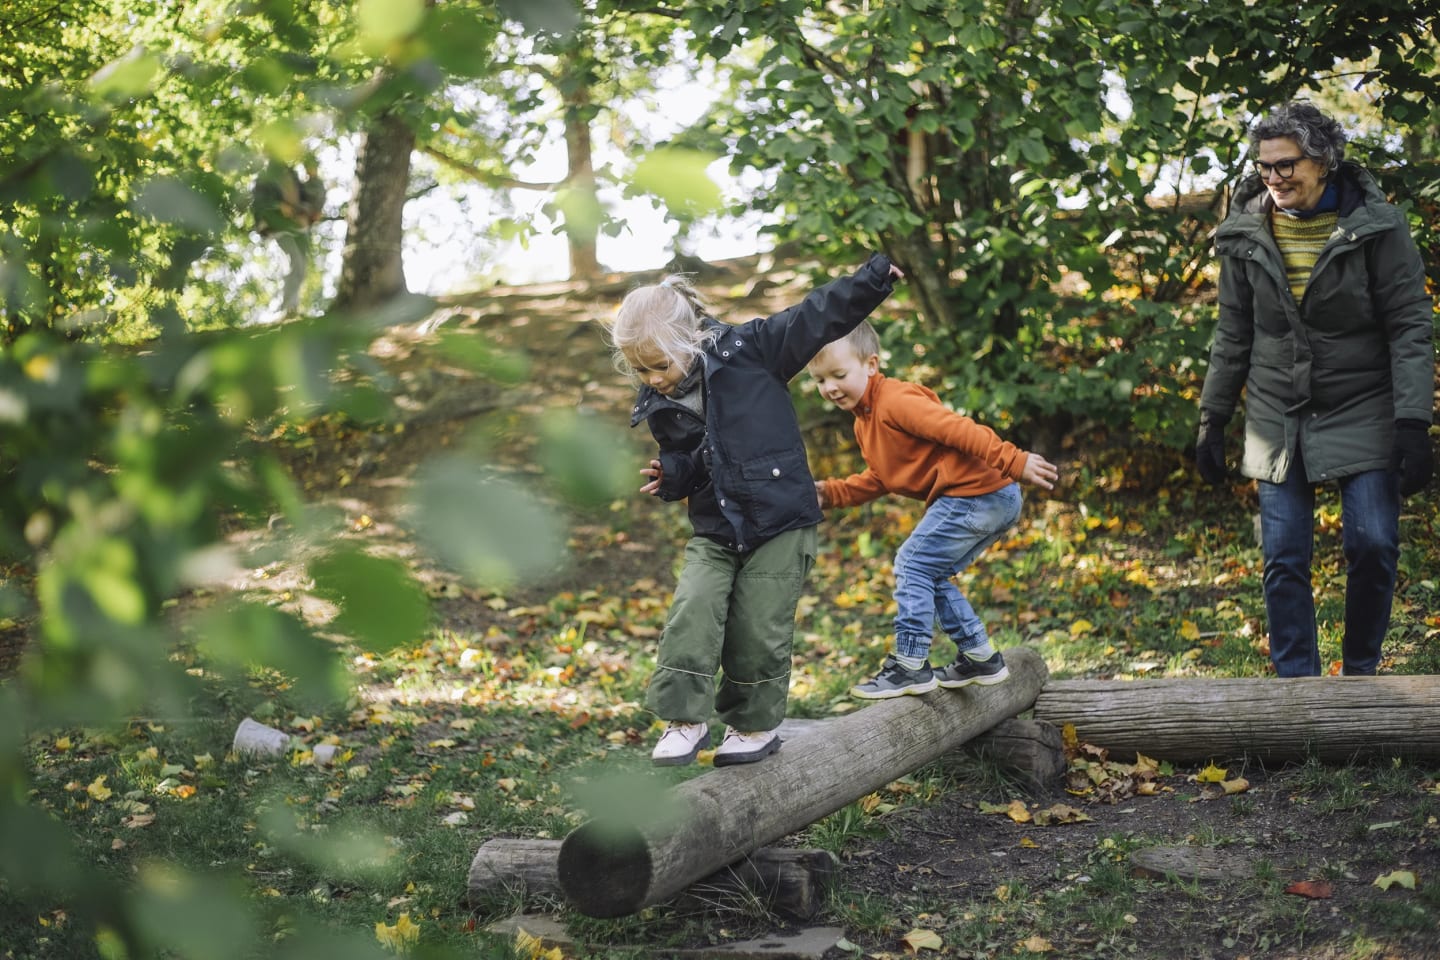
x=622 y=886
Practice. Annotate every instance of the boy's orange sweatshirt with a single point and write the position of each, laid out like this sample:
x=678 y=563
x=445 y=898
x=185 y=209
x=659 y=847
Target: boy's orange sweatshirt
x=915 y=447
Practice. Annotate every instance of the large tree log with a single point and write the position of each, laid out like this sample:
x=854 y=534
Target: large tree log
x=1334 y=719
x=789 y=882
x=617 y=864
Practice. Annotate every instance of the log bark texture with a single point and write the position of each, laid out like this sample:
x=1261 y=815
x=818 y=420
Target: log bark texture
x=790 y=882
x=1334 y=719
x=619 y=863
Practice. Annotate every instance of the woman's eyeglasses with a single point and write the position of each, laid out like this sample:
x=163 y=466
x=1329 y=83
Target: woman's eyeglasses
x=1285 y=168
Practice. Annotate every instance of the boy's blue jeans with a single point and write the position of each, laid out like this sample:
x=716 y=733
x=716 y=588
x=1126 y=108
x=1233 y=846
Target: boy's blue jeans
x=1370 y=537
x=953 y=532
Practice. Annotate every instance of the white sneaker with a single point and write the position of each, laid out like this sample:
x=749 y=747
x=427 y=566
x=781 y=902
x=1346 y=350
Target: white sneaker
x=746 y=747
x=680 y=744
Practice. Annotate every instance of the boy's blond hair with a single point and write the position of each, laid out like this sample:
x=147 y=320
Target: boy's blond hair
x=668 y=316
x=863 y=341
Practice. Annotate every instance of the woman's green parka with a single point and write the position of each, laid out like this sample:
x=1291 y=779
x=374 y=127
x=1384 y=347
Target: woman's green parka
x=1334 y=372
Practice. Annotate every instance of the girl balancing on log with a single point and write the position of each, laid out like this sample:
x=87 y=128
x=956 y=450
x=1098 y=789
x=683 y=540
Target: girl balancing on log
x=716 y=398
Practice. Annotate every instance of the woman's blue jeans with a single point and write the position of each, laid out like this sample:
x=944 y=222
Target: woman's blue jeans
x=953 y=532
x=1370 y=536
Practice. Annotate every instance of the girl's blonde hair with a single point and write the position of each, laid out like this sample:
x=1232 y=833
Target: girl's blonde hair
x=666 y=315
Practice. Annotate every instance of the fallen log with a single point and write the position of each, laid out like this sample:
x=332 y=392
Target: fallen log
x=789 y=882
x=1334 y=719
x=623 y=861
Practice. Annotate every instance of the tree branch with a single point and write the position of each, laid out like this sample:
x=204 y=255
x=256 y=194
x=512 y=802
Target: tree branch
x=485 y=177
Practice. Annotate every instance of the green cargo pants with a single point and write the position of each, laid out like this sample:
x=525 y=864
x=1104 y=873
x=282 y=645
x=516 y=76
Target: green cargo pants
x=733 y=612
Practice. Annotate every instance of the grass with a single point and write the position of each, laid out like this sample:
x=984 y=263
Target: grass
x=522 y=727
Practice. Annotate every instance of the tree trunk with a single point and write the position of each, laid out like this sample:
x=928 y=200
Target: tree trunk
x=617 y=864
x=791 y=883
x=373 y=270
x=1335 y=719
x=581 y=233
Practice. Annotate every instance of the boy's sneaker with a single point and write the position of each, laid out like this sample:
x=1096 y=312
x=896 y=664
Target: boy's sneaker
x=740 y=747
x=680 y=744
x=965 y=671
x=895 y=680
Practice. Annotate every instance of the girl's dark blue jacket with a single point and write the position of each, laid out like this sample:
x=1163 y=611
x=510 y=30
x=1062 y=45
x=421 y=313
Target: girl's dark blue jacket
x=743 y=468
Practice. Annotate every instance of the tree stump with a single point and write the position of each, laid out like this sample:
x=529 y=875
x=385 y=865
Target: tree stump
x=1334 y=719
x=790 y=883
x=622 y=862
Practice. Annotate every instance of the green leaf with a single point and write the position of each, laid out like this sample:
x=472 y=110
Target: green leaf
x=130 y=76
x=381 y=606
x=589 y=460
x=679 y=178
x=485 y=527
x=172 y=201
x=382 y=22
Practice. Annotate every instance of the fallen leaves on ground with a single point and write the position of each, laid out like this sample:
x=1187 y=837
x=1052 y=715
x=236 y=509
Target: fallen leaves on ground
x=1401 y=878
x=398 y=936
x=920 y=939
x=1313 y=889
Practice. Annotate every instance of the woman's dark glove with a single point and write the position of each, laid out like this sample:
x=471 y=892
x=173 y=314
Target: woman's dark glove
x=1210 y=447
x=1411 y=458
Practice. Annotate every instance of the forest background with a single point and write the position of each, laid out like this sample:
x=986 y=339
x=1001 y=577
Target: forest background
x=1047 y=174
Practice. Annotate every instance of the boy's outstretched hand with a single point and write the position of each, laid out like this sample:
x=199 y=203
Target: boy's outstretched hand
x=1039 y=471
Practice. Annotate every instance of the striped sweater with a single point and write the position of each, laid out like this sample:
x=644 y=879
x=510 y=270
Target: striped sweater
x=1300 y=242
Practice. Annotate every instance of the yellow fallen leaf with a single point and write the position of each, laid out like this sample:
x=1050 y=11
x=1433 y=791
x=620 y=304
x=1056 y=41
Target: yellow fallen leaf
x=529 y=947
x=98 y=790
x=62 y=744
x=1029 y=844
x=1080 y=627
x=399 y=935
x=1189 y=631
x=1403 y=878
x=921 y=939
x=1238 y=785
x=1211 y=774
x=1037 y=944
x=1060 y=813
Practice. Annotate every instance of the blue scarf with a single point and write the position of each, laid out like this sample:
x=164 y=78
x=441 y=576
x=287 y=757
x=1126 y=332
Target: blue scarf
x=1329 y=203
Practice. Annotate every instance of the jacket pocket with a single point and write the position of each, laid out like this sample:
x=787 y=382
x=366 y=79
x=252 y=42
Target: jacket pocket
x=776 y=487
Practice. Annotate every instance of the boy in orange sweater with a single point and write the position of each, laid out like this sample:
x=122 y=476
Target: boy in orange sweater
x=915 y=447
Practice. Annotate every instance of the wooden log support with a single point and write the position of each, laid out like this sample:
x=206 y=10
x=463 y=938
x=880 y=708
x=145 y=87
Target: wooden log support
x=617 y=864
x=1334 y=719
x=1031 y=751
x=789 y=882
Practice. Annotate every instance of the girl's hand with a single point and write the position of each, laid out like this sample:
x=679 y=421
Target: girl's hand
x=896 y=273
x=820 y=494
x=1039 y=471
x=656 y=474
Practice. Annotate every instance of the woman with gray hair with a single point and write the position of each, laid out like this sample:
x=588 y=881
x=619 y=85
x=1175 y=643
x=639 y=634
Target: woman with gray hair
x=1326 y=326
